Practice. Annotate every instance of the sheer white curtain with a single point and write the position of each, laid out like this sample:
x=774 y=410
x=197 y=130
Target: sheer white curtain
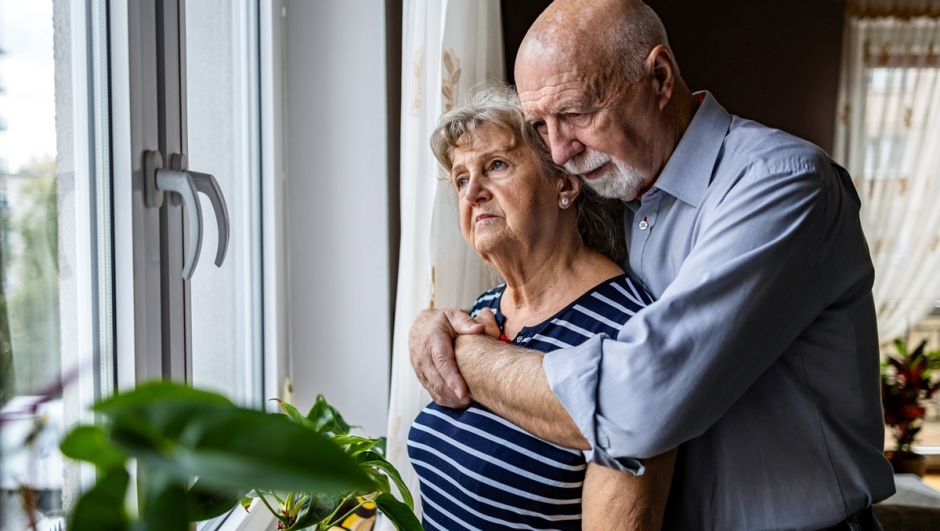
x=888 y=136
x=448 y=47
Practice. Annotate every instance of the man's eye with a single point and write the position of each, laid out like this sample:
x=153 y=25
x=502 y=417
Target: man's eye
x=539 y=126
x=576 y=117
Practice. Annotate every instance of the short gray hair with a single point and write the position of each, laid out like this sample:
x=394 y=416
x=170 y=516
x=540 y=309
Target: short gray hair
x=632 y=38
x=600 y=222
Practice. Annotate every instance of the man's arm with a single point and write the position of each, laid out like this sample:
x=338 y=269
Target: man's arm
x=613 y=500
x=510 y=381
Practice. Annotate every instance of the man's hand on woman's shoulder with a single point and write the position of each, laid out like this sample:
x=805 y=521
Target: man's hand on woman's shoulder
x=431 y=346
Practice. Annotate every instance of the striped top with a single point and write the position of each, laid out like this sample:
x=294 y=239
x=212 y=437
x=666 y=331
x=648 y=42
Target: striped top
x=477 y=470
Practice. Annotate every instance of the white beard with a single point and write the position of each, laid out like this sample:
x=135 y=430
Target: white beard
x=619 y=181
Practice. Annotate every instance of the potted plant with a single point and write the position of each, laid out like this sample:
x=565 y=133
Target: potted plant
x=176 y=434
x=906 y=381
x=321 y=511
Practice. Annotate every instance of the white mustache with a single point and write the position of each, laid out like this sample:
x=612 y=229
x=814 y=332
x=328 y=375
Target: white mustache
x=586 y=162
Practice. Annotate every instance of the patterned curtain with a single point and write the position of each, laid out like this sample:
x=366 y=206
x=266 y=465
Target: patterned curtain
x=888 y=136
x=448 y=47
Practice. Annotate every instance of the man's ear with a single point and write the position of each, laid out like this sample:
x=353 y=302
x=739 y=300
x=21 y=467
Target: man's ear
x=659 y=64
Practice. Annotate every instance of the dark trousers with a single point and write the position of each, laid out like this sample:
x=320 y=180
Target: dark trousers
x=860 y=521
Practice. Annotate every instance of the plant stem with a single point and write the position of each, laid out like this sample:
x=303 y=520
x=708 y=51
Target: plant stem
x=276 y=514
x=345 y=516
x=338 y=507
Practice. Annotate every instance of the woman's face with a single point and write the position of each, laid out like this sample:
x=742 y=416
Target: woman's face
x=506 y=205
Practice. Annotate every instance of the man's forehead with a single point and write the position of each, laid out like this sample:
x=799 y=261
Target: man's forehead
x=554 y=93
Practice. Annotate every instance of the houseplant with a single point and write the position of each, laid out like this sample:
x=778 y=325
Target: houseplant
x=322 y=511
x=176 y=433
x=907 y=379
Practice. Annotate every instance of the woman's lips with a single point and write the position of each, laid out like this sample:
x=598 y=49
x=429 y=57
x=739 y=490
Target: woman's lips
x=481 y=217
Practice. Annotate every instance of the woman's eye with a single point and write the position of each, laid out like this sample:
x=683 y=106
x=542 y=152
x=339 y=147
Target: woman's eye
x=498 y=164
x=460 y=182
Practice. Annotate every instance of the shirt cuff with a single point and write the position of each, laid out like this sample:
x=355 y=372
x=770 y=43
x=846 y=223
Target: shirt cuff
x=573 y=376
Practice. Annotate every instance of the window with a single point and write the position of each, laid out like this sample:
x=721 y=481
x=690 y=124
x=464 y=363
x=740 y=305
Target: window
x=887 y=137
x=92 y=292
x=54 y=246
x=223 y=137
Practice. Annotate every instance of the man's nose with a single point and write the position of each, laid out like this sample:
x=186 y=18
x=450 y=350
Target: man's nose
x=562 y=144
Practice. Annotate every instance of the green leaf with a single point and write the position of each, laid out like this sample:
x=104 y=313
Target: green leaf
x=295 y=415
x=326 y=418
x=162 y=410
x=380 y=444
x=204 y=502
x=102 y=507
x=231 y=447
x=239 y=448
x=91 y=444
x=376 y=460
x=166 y=506
x=398 y=513
x=901 y=347
x=380 y=479
x=354 y=444
x=146 y=394
x=321 y=506
x=136 y=436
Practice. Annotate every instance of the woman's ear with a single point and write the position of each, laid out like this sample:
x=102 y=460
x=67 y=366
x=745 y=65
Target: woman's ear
x=569 y=190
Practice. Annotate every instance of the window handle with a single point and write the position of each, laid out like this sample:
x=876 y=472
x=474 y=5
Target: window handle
x=158 y=181
x=207 y=184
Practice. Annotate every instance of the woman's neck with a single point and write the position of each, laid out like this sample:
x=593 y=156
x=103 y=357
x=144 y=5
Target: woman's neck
x=545 y=282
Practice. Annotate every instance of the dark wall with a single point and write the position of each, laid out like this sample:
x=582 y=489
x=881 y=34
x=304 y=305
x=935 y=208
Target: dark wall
x=774 y=61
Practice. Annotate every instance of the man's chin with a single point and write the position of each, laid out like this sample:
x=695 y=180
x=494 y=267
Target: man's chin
x=608 y=186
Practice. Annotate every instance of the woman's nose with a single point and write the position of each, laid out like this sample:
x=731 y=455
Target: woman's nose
x=476 y=190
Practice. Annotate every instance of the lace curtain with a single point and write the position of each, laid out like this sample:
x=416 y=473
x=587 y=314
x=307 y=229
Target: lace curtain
x=448 y=47
x=888 y=137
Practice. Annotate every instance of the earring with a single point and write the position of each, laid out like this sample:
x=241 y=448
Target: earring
x=564 y=201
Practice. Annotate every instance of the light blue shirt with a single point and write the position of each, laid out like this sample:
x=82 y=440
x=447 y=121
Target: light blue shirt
x=760 y=354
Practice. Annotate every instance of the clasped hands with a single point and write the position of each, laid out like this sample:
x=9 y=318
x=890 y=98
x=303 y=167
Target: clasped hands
x=433 y=341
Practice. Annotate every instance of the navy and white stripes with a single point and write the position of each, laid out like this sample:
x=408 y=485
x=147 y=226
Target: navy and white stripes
x=481 y=472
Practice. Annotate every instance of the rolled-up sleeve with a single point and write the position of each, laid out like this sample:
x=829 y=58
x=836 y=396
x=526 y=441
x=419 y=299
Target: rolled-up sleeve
x=574 y=378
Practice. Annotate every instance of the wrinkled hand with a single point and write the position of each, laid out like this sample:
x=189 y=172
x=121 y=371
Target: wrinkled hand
x=487 y=318
x=431 y=346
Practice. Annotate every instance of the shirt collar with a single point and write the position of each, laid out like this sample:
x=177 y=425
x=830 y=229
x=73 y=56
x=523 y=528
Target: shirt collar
x=688 y=172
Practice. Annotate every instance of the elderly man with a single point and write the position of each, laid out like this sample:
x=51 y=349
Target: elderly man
x=759 y=358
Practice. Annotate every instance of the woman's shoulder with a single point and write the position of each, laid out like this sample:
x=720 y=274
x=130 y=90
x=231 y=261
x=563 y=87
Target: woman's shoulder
x=618 y=292
x=602 y=309
x=489 y=299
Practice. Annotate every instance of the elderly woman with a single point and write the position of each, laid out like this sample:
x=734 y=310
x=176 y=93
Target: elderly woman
x=557 y=245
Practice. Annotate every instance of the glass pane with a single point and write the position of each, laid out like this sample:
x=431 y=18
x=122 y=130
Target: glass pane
x=221 y=101
x=46 y=259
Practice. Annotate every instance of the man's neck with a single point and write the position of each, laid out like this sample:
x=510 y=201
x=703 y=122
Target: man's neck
x=679 y=112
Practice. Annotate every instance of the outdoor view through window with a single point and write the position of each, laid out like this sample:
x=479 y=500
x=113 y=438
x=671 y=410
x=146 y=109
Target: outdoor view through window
x=30 y=339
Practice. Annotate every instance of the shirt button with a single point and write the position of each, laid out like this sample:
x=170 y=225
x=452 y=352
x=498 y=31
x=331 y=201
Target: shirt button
x=643 y=225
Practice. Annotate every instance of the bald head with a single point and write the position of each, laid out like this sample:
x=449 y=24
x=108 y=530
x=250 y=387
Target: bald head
x=613 y=36
x=597 y=80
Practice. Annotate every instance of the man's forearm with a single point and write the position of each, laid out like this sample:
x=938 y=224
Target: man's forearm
x=510 y=381
x=613 y=500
